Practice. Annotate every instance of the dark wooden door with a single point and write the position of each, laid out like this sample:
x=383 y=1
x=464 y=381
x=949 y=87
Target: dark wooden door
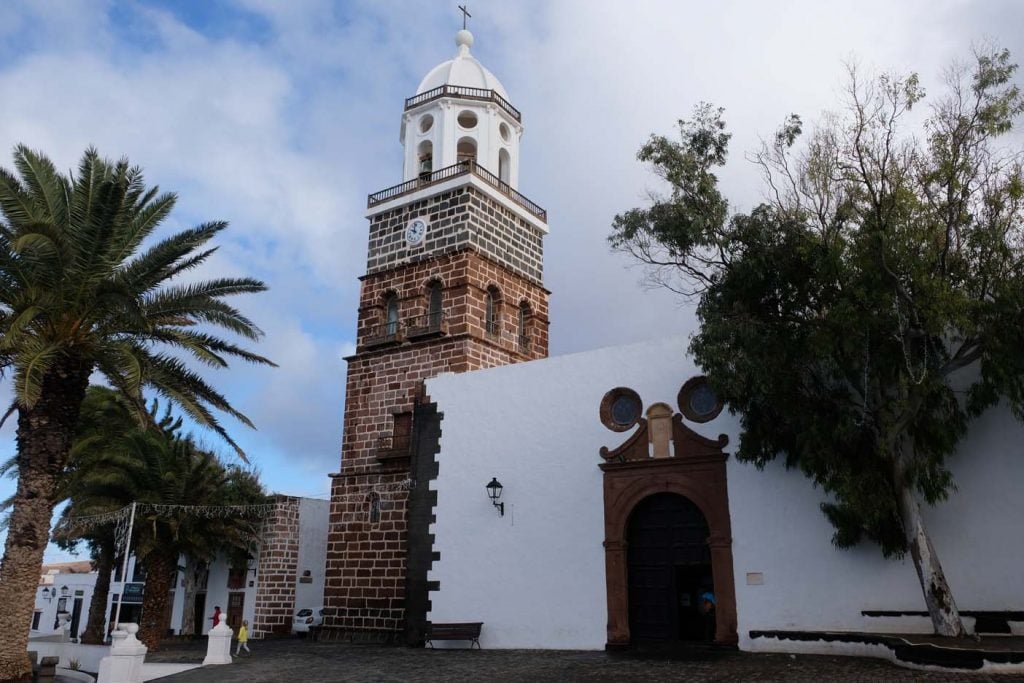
x=76 y=617
x=236 y=603
x=666 y=532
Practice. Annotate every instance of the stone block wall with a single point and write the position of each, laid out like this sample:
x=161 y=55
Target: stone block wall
x=459 y=218
x=276 y=570
x=465 y=277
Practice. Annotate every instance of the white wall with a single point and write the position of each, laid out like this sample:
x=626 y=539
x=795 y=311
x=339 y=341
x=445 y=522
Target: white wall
x=313 y=521
x=536 y=577
x=779 y=530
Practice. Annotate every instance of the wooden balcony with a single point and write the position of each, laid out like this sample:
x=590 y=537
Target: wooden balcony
x=391 y=449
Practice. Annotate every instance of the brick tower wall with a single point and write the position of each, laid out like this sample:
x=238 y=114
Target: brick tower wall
x=473 y=244
x=276 y=570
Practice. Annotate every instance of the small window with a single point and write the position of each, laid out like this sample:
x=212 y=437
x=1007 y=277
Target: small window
x=391 y=313
x=524 y=323
x=434 y=301
x=620 y=409
x=374 y=508
x=36 y=616
x=426 y=123
x=467 y=119
x=698 y=401
x=504 y=132
x=492 y=322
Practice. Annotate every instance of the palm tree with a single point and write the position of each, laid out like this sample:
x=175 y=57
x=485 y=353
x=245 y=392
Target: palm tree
x=79 y=294
x=152 y=467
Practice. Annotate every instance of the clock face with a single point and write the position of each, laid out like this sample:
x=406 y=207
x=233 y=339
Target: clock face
x=415 y=231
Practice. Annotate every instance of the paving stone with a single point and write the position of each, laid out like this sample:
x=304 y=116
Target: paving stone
x=299 y=660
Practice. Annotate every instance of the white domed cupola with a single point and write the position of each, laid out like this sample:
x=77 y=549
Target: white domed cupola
x=461 y=113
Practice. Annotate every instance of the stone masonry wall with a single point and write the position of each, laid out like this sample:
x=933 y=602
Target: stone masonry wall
x=276 y=570
x=465 y=277
x=458 y=218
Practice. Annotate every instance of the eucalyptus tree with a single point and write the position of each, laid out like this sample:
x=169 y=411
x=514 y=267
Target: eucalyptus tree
x=861 y=317
x=81 y=293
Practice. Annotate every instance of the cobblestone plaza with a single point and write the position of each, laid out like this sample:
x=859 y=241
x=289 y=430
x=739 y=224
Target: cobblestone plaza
x=277 y=661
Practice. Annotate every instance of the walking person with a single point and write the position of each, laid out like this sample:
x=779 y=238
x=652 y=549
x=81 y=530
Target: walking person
x=216 y=616
x=243 y=638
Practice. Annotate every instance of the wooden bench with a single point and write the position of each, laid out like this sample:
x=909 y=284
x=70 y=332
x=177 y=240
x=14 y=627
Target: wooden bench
x=468 y=631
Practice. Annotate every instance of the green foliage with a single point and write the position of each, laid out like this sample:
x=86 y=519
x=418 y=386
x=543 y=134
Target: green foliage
x=116 y=462
x=861 y=318
x=78 y=288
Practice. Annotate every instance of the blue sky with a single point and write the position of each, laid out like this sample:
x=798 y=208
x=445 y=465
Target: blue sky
x=281 y=117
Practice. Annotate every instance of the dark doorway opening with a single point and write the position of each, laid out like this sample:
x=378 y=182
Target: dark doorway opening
x=669 y=569
x=199 y=613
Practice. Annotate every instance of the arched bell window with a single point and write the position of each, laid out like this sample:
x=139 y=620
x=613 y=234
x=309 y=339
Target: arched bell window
x=504 y=166
x=391 y=314
x=492 y=322
x=524 y=325
x=434 y=300
x=425 y=155
x=466 y=150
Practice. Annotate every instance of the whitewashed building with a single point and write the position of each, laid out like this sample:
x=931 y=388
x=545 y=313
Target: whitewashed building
x=556 y=567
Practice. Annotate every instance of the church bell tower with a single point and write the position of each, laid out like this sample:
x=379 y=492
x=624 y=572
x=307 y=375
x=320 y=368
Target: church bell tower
x=453 y=283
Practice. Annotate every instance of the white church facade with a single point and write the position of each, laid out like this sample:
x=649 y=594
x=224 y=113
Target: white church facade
x=621 y=506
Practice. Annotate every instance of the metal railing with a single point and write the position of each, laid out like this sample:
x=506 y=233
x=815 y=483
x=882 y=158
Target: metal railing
x=461 y=168
x=385 y=333
x=429 y=323
x=462 y=92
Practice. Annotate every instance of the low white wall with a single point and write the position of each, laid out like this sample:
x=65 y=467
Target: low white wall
x=536 y=577
x=778 y=530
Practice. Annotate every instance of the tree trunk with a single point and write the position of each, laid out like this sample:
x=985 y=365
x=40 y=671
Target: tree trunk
x=44 y=438
x=96 y=629
x=161 y=571
x=188 y=594
x=937 y=596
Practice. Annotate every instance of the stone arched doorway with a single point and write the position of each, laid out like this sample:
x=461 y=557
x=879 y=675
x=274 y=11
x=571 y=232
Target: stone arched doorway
x=692 y=468
x=668 y=569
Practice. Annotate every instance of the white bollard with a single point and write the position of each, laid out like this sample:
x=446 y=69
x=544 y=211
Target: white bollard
x=127 y=653
x=218 y=648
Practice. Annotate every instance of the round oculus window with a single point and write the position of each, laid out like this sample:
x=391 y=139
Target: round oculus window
x=621 y=409
x=426 y=123
x=698 y=401
x=467 y=119
x=504 y=132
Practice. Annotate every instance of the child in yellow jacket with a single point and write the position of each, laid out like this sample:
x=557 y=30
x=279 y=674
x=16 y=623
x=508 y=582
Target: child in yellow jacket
x=243 y=638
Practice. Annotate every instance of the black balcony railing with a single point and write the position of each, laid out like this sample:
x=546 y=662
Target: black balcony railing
x=423 y=325
x=463 y=93
x=455 y=170
x=386 y=333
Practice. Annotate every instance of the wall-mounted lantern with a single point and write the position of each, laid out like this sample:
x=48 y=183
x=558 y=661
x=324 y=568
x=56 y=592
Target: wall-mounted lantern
x=494 y=493
x=48 y=594
x=64 y=591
